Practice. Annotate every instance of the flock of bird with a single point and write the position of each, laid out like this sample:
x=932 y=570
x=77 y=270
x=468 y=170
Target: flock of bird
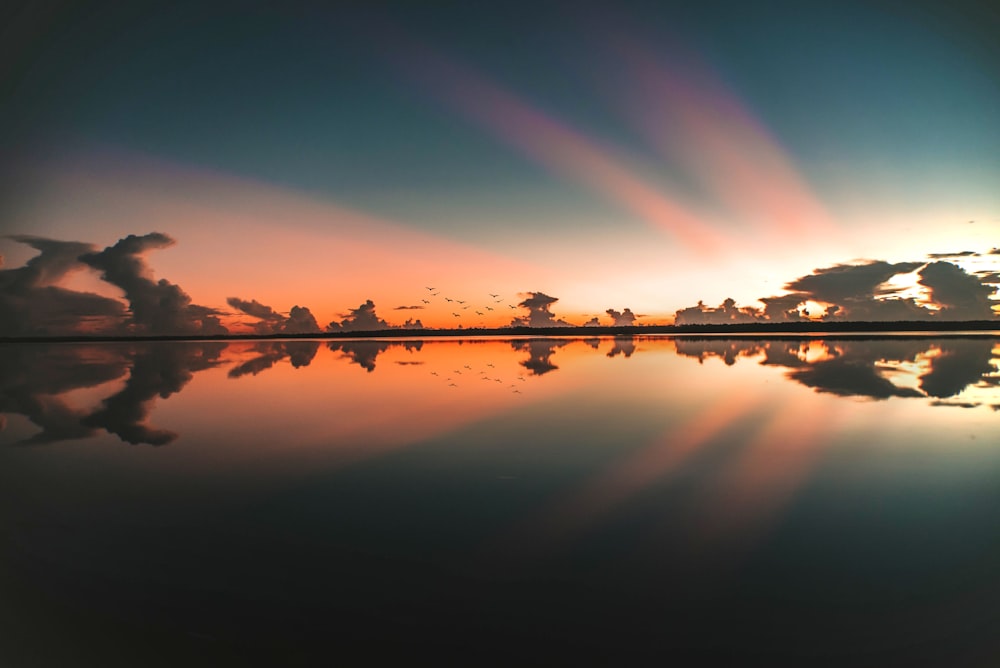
x=464 y=306
x=484 y=373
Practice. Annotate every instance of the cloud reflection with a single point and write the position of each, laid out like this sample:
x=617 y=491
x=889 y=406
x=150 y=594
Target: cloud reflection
x=45 y=383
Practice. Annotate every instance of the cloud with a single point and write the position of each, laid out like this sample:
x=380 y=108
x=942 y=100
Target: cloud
x=726 y=313
x=941 y=256
x=408 y=308
x=255 y=309
x=849 y=282
x=360 y=319
x=32 y=304
x=540 y=314
x=988 y=276
x=593 y=322
x=621 y=319
x=156 y=307
x=857 y=292
x=961 y=296
x=299 y=320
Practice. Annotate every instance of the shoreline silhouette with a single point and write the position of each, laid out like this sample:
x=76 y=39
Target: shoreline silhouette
x=743 y=330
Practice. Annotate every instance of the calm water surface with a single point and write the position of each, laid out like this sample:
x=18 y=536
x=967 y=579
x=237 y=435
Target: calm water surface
x=530 y=501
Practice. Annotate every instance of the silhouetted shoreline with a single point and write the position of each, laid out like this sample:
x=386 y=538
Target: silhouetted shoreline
x=955 y=328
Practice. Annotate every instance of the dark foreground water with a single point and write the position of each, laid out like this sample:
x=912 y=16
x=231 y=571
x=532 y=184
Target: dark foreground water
x=520 y=502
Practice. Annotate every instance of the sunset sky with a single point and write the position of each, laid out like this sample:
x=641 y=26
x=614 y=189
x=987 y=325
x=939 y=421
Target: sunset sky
x=645 y=157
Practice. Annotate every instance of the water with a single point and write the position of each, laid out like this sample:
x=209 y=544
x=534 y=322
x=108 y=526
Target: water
x=529 y=501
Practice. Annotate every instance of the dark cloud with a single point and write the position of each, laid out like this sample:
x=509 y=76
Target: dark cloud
x=988 y=276
x=941 y=256
x=299 y=353
x=408 y=308
x=593 y=322
x=848 y=282
x=961 y=296
x=540 y=314
x=621 y=319
x=31 y=304
x=857 y=292
x=364 y=319
x=255 y=309
x=156 y=307
x=298 y=321
x=995 y=251
x=726 y=313
x=955 y=404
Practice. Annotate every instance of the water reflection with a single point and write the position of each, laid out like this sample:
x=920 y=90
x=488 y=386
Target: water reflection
x=35 y=378
x=498 y=491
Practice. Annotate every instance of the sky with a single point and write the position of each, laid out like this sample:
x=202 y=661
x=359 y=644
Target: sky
x=256 y=167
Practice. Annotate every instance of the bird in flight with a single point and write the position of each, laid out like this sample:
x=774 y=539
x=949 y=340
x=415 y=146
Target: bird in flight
x=430 y=289
x=493 y=295
x=479 y=313
x=448 y=299
x=426 y=301
x=511 y=306
x=456 y=315
x=489 y=308
x=460 y=301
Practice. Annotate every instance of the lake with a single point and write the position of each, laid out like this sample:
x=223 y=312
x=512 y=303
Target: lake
x=619 y=501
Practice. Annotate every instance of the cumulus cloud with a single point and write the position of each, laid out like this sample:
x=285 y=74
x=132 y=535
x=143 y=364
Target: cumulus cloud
x=540 y=314
x=844 y=283
x=156 y=307
x=726 y=313
x=621 y=318
x=961 y=296
x=593 y=322
x=857 y=292
x=364 y=319
x=32 y=304
x=299 y=320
